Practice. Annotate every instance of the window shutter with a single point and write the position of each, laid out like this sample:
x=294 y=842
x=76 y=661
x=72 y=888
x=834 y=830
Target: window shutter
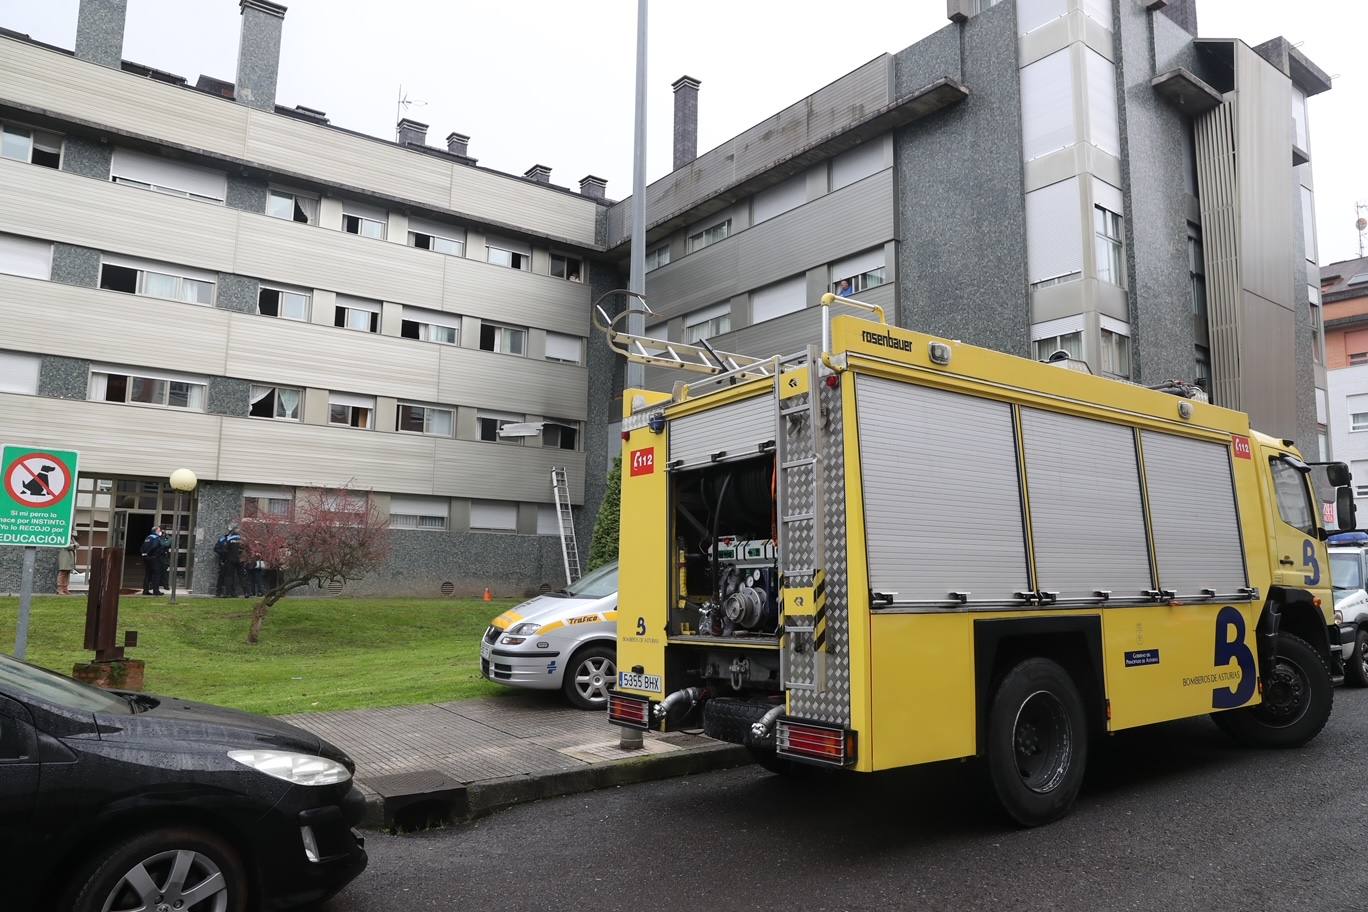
x=27 y=257
x=564 y=347
x=164 y=172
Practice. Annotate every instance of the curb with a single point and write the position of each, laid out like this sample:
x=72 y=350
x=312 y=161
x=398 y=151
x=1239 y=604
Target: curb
x=462 y=802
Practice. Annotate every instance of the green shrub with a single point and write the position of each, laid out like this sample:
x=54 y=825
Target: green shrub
x=603 y=544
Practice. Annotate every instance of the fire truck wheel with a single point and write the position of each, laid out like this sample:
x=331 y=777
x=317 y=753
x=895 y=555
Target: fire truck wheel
x=1297 y=698
x=1357 y=672
x=1037 y=742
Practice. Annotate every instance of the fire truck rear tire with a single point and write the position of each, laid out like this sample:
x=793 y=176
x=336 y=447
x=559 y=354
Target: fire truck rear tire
x=1297 y=699
x=1037 y=742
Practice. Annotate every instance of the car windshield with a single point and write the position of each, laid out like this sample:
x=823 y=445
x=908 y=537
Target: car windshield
x=21 y=679
x=1346 y=571
x=595 y=584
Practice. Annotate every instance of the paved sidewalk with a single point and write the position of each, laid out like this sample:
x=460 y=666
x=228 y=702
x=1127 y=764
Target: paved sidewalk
x=443 y=761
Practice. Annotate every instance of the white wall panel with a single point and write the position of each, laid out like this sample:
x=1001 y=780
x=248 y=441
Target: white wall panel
x=472 y=468
x=25 y=256
x=1100 y=11
x=1032 y=14
x=1054 y=231
x=859 y=163
x=479 y=289
x=282 y=452
x=1104 y=130
x=525 y=386
x=779 y=199
x=1047 y=109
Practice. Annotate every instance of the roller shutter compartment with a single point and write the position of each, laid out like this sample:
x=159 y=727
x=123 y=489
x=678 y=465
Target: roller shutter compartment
x=736 y=430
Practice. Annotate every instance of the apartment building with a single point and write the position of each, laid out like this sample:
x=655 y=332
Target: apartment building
x=194 y=276
x=1084 y=175
x=1344 y=293
x=276 y=303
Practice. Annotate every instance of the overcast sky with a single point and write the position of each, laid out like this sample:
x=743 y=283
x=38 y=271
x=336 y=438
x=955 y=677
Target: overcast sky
x=550 y=81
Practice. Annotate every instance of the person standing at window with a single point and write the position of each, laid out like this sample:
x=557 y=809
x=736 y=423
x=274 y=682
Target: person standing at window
x=66 y=562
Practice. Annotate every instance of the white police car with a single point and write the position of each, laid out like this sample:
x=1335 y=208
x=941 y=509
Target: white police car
x=565 y=639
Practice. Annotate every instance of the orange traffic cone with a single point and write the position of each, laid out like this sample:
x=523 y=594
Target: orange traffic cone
x=488 y=596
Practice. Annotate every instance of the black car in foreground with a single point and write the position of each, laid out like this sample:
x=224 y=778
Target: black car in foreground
x=114 y=802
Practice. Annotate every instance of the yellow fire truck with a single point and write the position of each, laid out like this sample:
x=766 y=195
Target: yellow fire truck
x=900 y=549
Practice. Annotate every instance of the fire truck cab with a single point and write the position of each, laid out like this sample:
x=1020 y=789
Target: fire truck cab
x=899 y=549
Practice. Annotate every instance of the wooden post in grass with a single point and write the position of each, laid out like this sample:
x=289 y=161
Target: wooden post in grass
x=110 y=668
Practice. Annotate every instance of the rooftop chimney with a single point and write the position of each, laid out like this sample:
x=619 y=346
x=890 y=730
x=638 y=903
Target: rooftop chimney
x=259 y=53
x=685 y=120
x=411 y=133
x=458 y=143
x=593 y=187
x=100 y=31
x=539 y=173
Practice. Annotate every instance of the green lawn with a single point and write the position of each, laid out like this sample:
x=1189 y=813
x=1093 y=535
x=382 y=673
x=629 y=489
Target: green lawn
x=314 y=655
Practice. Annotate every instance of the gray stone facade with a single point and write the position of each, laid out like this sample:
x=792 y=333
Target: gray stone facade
x=1156 y=201
x=605 y=408
x=259 y=54
x=73 y=265
x=100 y=31
x=87 y=157
x=245 y=193
x=217 y=506
x=511 y=565
x=63 y=378
x=961 y=268
x=228 y=396
x=1307 y=437
x=12 y=570
x=237 y=293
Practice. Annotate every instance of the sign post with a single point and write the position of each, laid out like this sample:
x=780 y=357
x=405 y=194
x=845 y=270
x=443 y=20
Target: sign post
x=37 y=503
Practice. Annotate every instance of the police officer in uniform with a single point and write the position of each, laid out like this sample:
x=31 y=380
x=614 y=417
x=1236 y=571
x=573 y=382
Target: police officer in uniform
x=152 y=550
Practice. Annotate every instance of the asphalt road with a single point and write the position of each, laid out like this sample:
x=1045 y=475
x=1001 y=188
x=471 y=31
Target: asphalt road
x=1172 y=817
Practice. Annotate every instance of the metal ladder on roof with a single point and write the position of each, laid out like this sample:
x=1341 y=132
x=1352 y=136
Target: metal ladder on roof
x=560 y=491
x=802 y=547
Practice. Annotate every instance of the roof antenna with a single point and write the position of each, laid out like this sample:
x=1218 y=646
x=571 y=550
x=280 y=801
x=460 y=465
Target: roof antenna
x=403 y=104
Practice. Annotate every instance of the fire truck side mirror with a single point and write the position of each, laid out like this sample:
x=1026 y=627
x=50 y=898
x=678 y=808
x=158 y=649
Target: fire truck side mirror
x=1337 y=473
x=1345 y=509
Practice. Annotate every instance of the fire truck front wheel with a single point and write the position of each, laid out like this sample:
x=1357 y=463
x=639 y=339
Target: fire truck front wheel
x=1297 y=698
x=1037 y=742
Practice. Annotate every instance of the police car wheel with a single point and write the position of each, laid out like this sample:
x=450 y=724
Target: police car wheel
x=1357 y=672
x=1297 y=699
x=1037 y=742
x=589 y=675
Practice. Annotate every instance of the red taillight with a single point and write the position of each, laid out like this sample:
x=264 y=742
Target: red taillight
x=820 y=743
x=632 y=712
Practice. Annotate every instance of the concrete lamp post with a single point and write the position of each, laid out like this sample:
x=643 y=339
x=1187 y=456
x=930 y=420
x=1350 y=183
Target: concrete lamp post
x=182 y=481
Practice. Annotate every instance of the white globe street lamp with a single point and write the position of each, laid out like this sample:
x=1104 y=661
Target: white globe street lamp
x=182 y=481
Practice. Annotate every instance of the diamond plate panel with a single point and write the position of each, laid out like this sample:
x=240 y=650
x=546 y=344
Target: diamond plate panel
x=832 y=704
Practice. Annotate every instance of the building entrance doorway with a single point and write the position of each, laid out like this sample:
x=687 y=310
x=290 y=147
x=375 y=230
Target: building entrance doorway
x=120 y=512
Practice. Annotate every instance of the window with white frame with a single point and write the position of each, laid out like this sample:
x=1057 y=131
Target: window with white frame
x=1358 y=470
x=25 y=144
x=548 y=520
x=19 y=372
x=424 y=419
x=138 y=386
x=708 y=236
x=430 y=326
x=858 y=163
x=1356 y=358
x=779 y=199
x=284 y=303
x=786 y=297
x=510 y=340
x=1109 y=246
x=708 y=322
x=1047 y=110
x=1197 y=272
x=489 y=424
x=166 y=175
x=855 y=274
x=1313 y=298
x=278 y=402
x=567 y=267
x=157 y=280
x=1115 y=360
x=1357 y=406
x=267 y=502
x=429 y=514
x=1104 y=128
x=349 y=410
x=1308 y=208
x=1054 y=234
x=493 y=516
x=436 y=236
x=658 y=257
x=348 y=506
x=1299 y=135
x=508 y=253
x=1065 y=334
x=364 y=219
x=560 y=434
x=357 y=313
x=292 y=206
x=565 y=348
x=24 y=256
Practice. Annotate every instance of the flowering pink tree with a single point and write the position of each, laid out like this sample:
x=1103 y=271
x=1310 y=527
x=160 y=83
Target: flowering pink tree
x=330 y=535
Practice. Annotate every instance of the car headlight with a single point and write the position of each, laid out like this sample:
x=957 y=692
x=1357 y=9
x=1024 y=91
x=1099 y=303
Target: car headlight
x=1339 y=616
x=518 y=633
x=297 y=769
